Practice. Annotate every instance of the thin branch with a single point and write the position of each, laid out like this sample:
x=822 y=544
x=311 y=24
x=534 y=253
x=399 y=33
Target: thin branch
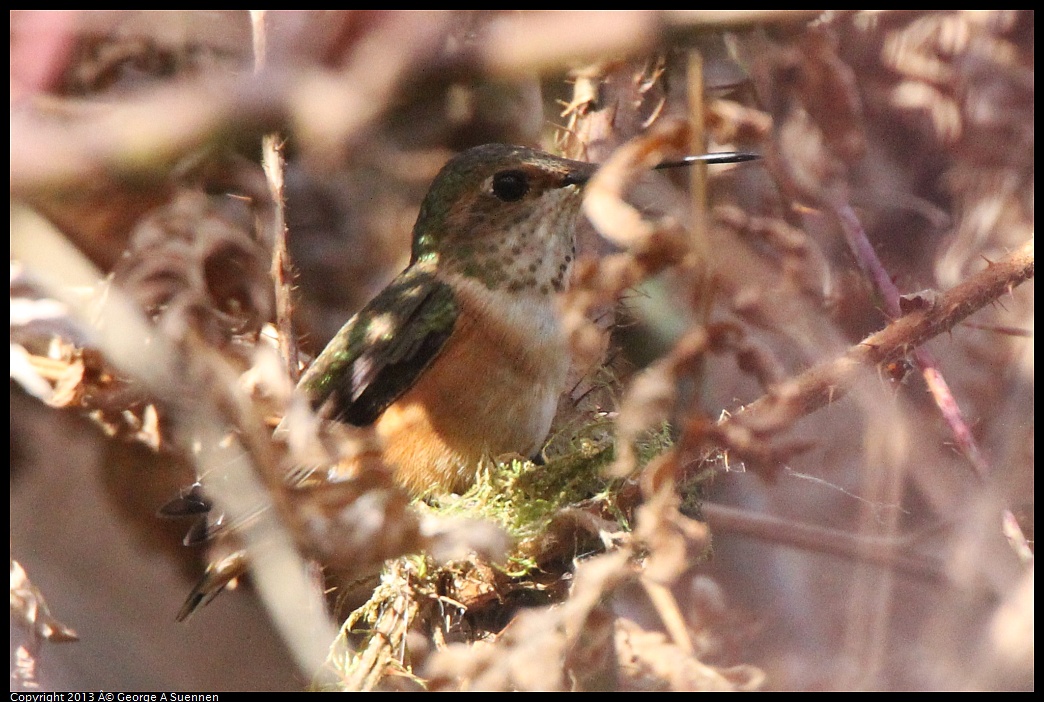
x=828 y=381
x=925 y=360
x=282 y=266
x=879 y=551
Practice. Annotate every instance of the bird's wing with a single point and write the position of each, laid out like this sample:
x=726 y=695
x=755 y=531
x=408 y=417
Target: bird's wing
x=382 y=350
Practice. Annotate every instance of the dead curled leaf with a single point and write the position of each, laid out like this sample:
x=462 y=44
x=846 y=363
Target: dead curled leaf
x=357 y=524
x=674 y=541
x=193 y=264
x=604 y=205
x=650 y=661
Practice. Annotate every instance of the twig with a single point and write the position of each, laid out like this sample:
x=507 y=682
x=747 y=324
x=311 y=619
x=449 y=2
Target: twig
x=282 y=266
x=1013 y=533
x=828 y=381
x=670 y=614
x=698 y=194
x=925 y=360
x=879 y=551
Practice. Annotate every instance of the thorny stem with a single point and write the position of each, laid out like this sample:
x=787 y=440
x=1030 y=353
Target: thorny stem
x=282 y=267
x=925 y=360
x=828 y=381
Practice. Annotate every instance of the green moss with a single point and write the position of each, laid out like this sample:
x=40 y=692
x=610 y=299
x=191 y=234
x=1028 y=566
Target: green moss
x=524 y=498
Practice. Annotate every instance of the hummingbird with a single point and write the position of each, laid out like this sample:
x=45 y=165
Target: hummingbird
x=461 y=356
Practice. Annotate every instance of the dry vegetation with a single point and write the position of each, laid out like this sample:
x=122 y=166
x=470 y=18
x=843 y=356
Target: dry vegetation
x=796 y=451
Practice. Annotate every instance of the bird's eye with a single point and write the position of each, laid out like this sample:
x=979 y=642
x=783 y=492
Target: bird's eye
x=510 y=186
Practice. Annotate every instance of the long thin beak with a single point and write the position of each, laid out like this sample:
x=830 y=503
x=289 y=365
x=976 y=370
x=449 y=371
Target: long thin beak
x=719 y=157
x=583 y=171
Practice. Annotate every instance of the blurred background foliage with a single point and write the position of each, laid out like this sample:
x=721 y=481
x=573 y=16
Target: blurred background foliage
x=878 y=543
